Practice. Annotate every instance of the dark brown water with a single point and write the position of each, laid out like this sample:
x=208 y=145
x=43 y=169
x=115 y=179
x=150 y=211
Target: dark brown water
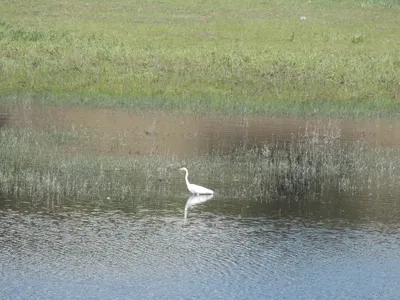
x=163 y=244
x=119 y=132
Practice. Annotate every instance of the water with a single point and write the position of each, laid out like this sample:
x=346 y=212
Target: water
x=156 y=254
x=124 y=132
x=336 y=245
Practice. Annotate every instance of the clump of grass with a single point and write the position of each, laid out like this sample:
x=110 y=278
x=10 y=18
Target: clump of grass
x=311 y=167
x=307 y=168
x=32 y=167
x=383 y=3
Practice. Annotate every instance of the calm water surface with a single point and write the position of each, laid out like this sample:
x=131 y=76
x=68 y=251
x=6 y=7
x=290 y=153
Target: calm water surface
x=345 y=246
x=216 y=248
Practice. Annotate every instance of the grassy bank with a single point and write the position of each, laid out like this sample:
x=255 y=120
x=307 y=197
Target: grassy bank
x=252 y=56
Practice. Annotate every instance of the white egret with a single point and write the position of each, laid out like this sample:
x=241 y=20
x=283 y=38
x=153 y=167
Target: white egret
x=194 y=188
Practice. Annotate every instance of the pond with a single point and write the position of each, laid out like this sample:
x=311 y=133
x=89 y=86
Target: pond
x=116 y=230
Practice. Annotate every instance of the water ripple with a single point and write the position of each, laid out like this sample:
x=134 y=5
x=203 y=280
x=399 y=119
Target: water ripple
x=111 y=254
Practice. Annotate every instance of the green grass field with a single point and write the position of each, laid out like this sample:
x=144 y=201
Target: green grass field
x=231 y=56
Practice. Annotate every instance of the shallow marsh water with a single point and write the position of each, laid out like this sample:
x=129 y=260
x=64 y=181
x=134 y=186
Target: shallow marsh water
x=163 y=244
x=120 y=132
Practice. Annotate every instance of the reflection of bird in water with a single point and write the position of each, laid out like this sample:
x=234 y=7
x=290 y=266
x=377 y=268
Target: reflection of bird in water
x=194 y=188
x=194 y=200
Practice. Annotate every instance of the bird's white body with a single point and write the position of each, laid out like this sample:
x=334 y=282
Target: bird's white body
x=194 y=188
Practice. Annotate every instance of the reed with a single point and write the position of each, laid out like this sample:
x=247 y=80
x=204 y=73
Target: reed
x=304 y=169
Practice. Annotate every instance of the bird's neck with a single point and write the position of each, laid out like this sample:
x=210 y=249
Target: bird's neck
x=186 y=179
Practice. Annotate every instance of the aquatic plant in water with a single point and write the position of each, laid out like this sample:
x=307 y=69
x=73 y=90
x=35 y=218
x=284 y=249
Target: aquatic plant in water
x=32 y=169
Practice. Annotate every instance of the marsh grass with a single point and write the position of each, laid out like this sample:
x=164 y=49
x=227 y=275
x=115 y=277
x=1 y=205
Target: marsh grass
x=224 y=56
x=303 y=170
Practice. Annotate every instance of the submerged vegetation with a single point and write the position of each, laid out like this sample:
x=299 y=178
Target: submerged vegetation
x=246 y=57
